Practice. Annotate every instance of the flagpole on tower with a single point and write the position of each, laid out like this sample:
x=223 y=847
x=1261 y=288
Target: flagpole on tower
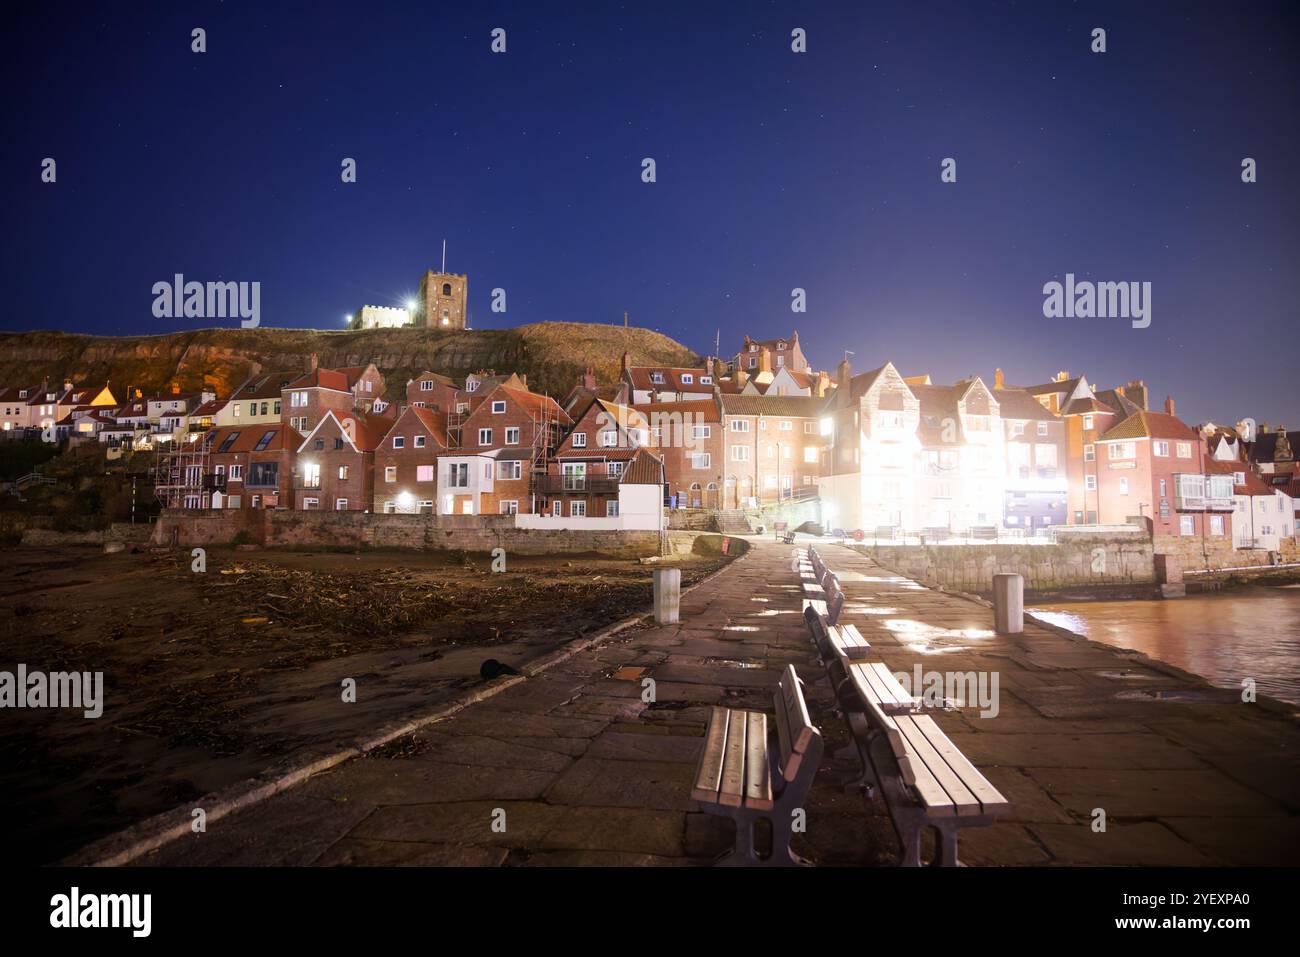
x=444 y=255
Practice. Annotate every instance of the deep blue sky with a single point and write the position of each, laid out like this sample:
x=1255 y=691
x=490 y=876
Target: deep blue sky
x=775 y=170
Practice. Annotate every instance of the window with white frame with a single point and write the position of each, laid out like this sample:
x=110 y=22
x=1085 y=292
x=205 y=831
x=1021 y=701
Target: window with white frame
x=498 y=407
x=390 y=473
x=740 y=453
x=700 y=460
x=579 y=440
x=236 y=473
x=578 y=508
x=702 y=431
x=512 y=435
x=424 y=473
x=1042 y=428
x=608 y=438
x=1186 y=525
x=484 y=436
x=611 y=508
x=1087 y=422
x=309 y=504
x=340 y=505
x=1160 y=448
x=1123 y=450
x=657 y=378
x=1216 y=524
x=740 y=425
x=508 y=507
x=1090 y=483
x=296 y=399
x=343 y=473
x=1184 y=450
x=687 y=378
x=419 y=441
x=1123 y=485
x=509 y=470
x=399 y=441
x=426 y=385
x=810 y=455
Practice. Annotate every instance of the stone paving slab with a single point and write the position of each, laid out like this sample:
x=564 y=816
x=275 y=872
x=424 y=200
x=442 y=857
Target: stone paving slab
x=589 y=774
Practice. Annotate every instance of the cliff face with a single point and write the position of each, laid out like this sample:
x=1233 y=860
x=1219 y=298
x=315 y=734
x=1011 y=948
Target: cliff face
x=552 y=354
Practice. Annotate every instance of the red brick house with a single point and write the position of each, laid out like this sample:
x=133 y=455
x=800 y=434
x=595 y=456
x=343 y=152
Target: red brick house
x=406 y=462
x=429 y=390
x=582 y=479
x=689 y=437
x=336 y=462
x=1154 y=465
x=307 y=398
x=251 y=466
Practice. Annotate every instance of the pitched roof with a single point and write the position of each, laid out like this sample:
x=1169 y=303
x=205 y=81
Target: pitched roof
x=706 y=409
x=211 y=407
x=335 y=379
x=645 y=468
x=1149 y=425
x=1019 y=404
x=640 y=376
x=1056 y=385
x=432 y=422
x=797 y=406
x=1117 y=401
x=533 y=403
x=247 y=437
x=264 y=385
x=1264 y=448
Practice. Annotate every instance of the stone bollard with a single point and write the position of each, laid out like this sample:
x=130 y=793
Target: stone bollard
x=1008 y=604
x=668 y=595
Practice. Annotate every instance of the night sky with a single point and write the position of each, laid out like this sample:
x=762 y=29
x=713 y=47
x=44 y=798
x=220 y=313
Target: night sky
x=775 y=170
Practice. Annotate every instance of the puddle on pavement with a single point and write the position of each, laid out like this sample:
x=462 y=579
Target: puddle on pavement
x=731 y=663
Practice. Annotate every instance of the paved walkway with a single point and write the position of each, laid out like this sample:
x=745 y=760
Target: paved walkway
x=586 y=773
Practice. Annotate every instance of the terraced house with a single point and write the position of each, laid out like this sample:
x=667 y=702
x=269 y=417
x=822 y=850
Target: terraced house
x=336 y=462
x=251 y=466
x=771 y=447
x=499 y=439
x=584 y=478
x=406 y=462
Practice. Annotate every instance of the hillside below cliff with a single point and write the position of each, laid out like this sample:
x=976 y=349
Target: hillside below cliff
x=553 y=355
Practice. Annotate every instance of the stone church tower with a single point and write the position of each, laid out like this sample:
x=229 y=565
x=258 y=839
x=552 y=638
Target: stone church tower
x=442 y=301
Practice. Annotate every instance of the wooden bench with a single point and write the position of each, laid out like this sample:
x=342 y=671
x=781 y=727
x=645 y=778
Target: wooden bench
x=925 y=779
x=750 y=770
x=783 y=533
x=927 y=782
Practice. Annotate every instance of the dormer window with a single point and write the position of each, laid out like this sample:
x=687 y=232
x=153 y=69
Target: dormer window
x=657 y=378
x=426 y=385
x=706 y=380
x=687 y=378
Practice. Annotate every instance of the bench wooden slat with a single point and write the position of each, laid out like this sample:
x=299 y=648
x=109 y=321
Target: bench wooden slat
x=989 y=797
x=709 y=777
x=732 y=790
x=799 y=722
x=958 y=795
x=783 y=731
x=758 y=780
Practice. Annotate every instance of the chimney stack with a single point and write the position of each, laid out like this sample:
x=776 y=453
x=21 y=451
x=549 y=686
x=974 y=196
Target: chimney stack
x=1136 y=392
x=708 y=365
x=1062 y=375
x=626 y=363
x=589 y=379
x=843 y=372
x=176 y=388
x=998 y=381
x=1169 y=405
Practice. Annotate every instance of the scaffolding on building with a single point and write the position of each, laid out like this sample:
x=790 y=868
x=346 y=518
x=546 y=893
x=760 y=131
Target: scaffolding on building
x=183 y=476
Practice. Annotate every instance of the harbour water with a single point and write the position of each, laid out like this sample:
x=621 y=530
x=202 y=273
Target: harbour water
x=1225 y=637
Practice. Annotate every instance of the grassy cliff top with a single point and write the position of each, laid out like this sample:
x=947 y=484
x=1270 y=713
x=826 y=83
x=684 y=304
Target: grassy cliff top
x=551 y=354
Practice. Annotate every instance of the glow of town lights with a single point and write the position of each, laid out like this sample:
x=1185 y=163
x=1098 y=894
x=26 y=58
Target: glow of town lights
x=404 y=498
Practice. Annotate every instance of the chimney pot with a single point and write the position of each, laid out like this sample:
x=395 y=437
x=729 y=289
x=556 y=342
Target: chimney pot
x=1169 y=405
x=998 y=380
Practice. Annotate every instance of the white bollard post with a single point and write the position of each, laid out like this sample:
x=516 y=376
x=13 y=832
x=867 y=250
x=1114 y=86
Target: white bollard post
x=1008 y=604
x=668 y=595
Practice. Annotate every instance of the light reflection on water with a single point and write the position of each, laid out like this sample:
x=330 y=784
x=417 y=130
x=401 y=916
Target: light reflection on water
x=1251 y=632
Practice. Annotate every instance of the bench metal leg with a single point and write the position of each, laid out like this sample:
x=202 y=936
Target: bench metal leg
x=946 y=850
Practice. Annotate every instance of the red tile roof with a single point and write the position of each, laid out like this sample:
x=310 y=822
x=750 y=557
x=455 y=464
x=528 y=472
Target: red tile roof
x=247 y=437
x=1149 y=425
